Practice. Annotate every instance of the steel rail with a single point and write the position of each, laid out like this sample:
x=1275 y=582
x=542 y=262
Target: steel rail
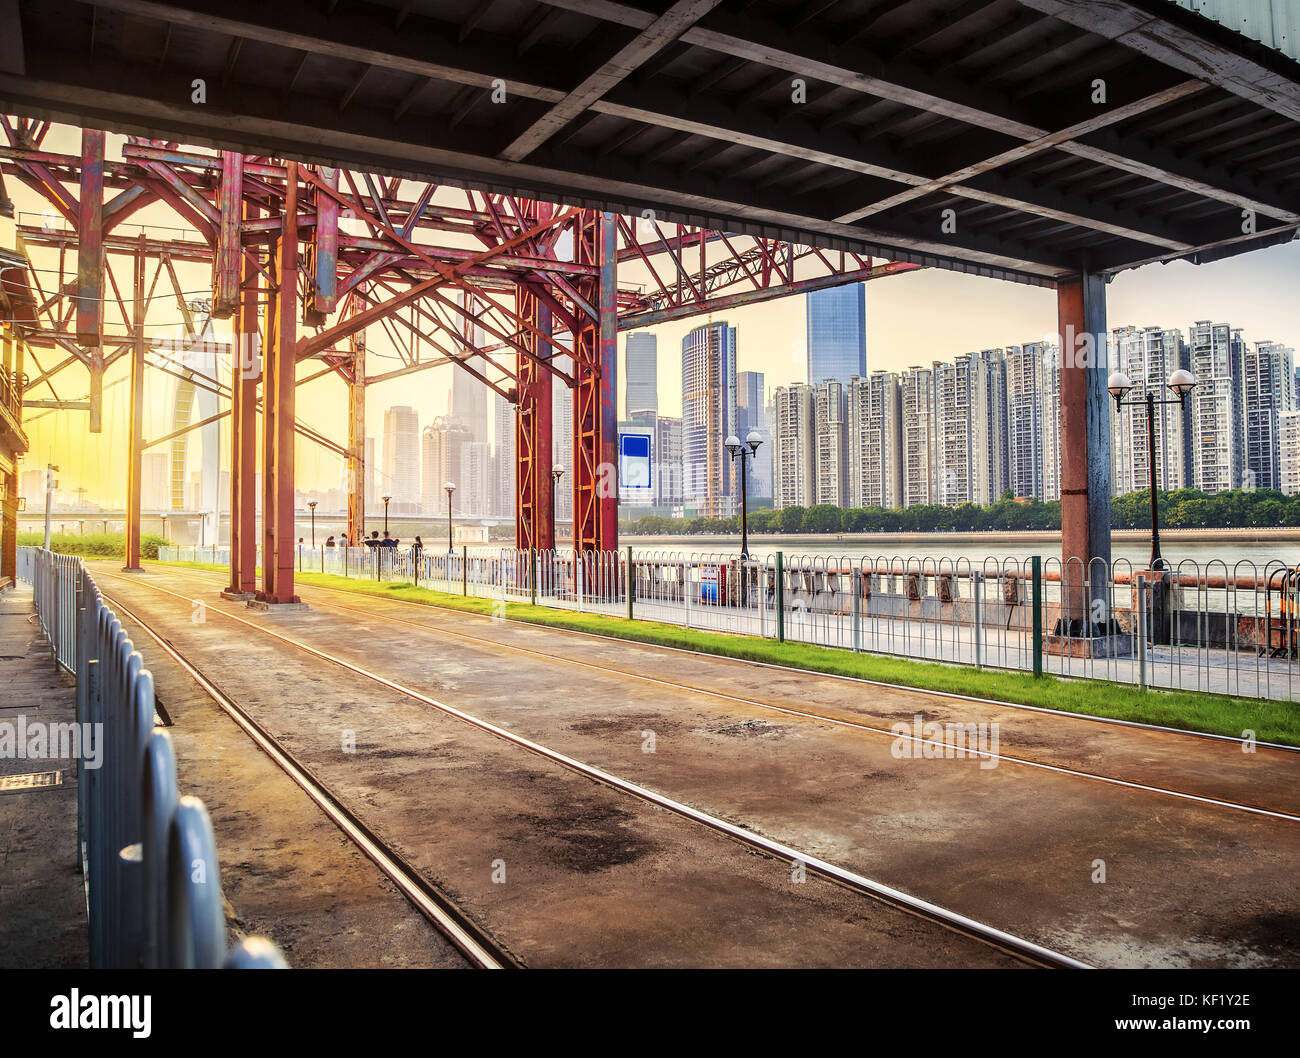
x=954 y=695
x=1017 y=947
x=838 y=721
x=469 y=938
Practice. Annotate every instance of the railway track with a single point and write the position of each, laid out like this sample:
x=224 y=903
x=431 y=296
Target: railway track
x=475 y=943
x=1018 y=948
x=494 y=644
x=1109 y=721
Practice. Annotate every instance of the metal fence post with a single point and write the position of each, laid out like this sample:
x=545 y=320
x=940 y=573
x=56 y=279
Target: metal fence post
x=780 y=597
x=1142 y=630
x=977 y=589
x=631 y=583
x=532 y=576
x=1037 y=597
x=464 y=569
x=855 y=585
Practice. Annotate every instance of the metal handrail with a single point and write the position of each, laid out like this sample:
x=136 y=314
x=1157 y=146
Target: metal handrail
x=149 y=858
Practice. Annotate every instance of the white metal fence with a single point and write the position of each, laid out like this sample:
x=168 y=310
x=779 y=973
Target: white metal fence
x=153 y=882
x=1224 y=627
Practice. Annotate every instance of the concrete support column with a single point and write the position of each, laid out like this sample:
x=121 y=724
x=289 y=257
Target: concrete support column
x=1085 y=450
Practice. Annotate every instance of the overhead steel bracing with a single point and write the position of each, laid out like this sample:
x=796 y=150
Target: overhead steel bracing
x=309 y=258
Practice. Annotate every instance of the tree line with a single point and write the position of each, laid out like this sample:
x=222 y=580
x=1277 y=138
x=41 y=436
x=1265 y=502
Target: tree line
x=1179 y=509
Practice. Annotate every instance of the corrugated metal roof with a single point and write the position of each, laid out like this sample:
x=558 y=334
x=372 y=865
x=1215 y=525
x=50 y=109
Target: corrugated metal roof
x=1272 y=22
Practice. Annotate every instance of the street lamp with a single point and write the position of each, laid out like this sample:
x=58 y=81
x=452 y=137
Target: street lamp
x=386 y=499
x=745 y=452
x=1182 y=382
x=449 y=487
x=164 y=530
x=312 y=505
x=557 y=472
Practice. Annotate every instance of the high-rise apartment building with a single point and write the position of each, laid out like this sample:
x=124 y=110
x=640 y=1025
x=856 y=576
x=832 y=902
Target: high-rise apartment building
x=503 y=457
x=836 y=333
x=1268 y=391
x=970 y=428
x=874 y=443
x=442 y=441
x=668 y=460
x=1288 y=449
x=1217 y=406
x=642 y=370
x=830 y=444
x=708 y=416
x=401 y=471
x=916 y=398
x=794 y=466
x=1033 y=428
x=474 y=483
x=562 y=447
x=1148 y=356
x=468 y=402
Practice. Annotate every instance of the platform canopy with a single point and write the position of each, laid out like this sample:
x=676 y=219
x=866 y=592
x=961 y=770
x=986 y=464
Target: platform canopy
x=1025 y=139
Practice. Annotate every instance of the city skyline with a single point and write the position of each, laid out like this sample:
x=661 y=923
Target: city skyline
x=900 y=330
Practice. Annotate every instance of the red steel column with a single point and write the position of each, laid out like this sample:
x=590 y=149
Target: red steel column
x=357 y=439
x=135 y=429
x=227 y=269
x=534 y=486
x=278 y=409
x=246 y=370
x=595 y=417
x=1085 y=442
x=90 y=267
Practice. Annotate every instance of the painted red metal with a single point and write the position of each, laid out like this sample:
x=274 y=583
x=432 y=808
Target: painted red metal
x=135 y=431
x=278 y=403
x=246 y=370
x=538 y=315
x=227 y=268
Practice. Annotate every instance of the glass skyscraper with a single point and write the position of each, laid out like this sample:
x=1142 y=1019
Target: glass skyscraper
x=642 y=373
x=837 y=334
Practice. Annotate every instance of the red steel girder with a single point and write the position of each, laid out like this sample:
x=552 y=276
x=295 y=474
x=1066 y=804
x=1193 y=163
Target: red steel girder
x=595 y=421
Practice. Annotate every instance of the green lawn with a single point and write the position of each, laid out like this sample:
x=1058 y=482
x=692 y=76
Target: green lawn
x=1190 y=710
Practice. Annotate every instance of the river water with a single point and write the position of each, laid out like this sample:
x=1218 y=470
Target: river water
x=1178 y=549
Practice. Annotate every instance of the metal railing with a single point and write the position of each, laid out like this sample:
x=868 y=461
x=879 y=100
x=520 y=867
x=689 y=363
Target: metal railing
x=1228 y=628
x=153 y=880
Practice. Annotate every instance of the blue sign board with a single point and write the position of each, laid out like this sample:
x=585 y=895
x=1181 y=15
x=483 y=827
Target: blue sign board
x=634 y=461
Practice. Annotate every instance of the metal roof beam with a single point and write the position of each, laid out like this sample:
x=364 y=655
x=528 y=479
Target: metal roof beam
x=663 y=31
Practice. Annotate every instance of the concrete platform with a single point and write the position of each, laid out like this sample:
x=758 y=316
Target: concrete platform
x=42 y=898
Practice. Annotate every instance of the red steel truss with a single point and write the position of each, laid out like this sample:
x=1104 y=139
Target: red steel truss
x=327 y=254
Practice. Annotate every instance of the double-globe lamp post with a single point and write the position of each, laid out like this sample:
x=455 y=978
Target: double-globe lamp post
x=1182 y=382
x=744 y=452
x=449 y=487
x=386 y=499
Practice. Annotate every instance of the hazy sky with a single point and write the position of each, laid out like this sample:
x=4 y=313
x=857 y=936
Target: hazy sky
x=913 y=318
